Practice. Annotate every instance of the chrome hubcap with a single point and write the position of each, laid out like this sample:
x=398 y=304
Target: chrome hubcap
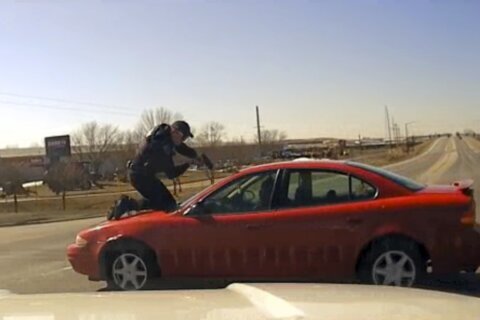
x=129 y=272
x=394 y=268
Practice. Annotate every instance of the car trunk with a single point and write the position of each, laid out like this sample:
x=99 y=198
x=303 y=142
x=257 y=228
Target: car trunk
x=465 y=188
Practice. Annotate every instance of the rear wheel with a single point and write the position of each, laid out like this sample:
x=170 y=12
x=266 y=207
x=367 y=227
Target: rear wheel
x=393 y=262
x=131 y=270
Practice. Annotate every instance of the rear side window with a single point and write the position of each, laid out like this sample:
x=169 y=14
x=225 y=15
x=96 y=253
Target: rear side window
x=401 y=180
x=317 y=187
x=362 y=190
x=329 y=187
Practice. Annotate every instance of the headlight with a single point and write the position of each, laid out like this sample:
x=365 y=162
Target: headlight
x=80 y=242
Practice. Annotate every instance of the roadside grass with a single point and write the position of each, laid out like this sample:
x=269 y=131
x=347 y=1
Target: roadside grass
x=50 y=210
x=43 y=191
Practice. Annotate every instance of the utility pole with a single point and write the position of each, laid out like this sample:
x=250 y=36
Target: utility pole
x=394 y=131
x=259 y=131
x=397 y=133
x=406 y=135
x=389 y=135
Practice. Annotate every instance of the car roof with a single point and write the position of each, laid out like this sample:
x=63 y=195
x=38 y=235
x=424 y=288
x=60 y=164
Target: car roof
x=304 y=163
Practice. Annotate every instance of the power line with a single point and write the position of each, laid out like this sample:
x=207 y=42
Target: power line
x=65 y=108
x=65 y=101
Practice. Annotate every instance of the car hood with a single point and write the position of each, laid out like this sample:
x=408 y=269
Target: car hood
x=138 y=215
x=240 y=301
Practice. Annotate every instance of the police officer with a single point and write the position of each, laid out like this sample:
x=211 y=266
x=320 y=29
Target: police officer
x=155 y=155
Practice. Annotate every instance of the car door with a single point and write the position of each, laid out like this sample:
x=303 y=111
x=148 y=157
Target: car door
x=320 y=215
x=222 y=235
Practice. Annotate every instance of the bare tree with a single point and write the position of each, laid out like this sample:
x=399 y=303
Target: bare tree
x=237 y=141
x=128 y=147
x=67 y=176
x=152 y=117
x=92 y=142
x=272 y=136
x=11 y=181
x=129 y=142
x=212 y=134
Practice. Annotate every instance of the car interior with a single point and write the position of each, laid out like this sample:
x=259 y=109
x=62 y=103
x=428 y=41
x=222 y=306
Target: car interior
x=248 y=194
x=315 y=188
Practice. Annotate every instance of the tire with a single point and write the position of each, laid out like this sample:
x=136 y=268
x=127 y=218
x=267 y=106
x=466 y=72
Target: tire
x=130 y=270
x=394 y=262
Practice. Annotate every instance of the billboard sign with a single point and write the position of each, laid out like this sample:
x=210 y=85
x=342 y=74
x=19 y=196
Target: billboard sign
x=57 y=148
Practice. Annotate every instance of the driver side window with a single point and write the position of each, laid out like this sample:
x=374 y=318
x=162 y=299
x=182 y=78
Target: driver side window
x=247 y=194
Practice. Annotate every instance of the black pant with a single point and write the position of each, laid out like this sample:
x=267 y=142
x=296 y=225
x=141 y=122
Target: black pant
x=154 y=191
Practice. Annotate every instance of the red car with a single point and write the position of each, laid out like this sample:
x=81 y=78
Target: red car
x=298 y=220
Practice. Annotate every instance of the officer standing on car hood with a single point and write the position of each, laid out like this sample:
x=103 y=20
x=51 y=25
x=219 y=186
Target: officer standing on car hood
x=155 y=155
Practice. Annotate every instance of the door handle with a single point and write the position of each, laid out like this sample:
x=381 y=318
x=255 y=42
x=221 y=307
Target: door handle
x=354 y=221
x=255 y=226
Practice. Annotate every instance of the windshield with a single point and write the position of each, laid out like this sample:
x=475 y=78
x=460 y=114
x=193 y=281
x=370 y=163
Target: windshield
x=403 y=181
x=117 y=116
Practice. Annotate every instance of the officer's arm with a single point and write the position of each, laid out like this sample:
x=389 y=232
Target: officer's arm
x=186 y=151
x=179 y=170
x=169 y=169
x=172 y=171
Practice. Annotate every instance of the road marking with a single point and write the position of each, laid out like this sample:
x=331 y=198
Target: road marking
x=49 y=273
x=473 y=144
x=442 y=165
x=269 y=304
x=416 y=158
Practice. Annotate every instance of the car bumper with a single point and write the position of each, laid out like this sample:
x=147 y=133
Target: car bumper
x=84 y=261
x=461 y=253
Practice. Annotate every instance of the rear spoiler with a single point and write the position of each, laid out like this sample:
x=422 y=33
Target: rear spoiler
x=465 y=186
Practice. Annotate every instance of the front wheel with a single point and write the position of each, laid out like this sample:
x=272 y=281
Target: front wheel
x=392 y=262
x=129 y=271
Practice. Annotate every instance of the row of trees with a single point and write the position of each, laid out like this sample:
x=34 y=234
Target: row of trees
x=92 y=141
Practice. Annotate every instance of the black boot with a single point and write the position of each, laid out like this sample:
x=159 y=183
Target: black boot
x=123 y=205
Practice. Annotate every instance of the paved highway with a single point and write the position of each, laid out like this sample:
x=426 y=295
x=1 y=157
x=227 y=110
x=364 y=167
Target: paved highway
x=32 y=258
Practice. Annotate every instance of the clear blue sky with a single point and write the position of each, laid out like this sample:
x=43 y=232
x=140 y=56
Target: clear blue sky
x=316 y=68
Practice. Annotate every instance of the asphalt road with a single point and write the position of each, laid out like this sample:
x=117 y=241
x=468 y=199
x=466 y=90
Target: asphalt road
x=32 y=258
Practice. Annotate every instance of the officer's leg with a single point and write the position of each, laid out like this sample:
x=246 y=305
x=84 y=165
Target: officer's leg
x=144 y=185
x=161 y=198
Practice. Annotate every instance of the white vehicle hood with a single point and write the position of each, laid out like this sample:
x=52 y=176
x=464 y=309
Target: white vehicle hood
x=242 y=301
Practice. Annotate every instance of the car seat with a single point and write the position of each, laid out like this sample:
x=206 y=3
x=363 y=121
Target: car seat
x=303 y=194
x=265 y=194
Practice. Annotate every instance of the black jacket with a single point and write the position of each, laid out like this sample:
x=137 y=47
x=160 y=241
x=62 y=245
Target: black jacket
x=156 y=153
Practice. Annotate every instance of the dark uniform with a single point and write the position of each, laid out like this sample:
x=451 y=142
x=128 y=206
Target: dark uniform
x=154 y=156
